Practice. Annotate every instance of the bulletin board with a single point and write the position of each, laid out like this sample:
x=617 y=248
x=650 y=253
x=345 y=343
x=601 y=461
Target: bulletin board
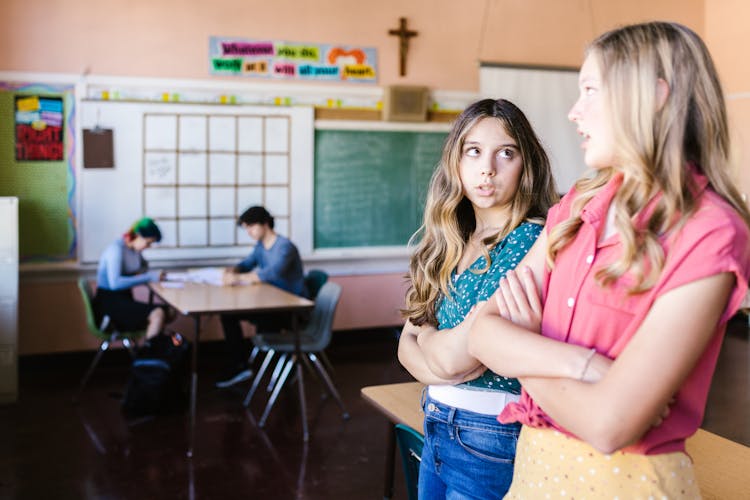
x=194 y=168
x=43 y=177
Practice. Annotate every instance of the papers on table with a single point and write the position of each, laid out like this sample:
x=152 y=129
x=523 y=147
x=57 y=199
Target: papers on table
x=209 y=275
x=173 y=284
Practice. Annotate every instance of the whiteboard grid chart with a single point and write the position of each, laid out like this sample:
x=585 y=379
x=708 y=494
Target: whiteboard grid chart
x=194 y=168
x=201 y=170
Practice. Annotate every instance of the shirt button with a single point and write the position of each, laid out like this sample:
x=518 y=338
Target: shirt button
x=589 y=259
x=571 y=302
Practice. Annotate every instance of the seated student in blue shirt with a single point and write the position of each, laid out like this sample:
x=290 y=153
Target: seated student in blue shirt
x=122 y=267
x=275 y=260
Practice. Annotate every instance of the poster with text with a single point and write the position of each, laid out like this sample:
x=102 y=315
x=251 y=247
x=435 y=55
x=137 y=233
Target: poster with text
x=292 y=61
x=39 y=128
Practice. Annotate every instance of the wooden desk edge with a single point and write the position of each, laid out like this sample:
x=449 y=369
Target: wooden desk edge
x=406 y=395
x=721 y=465
x=301 y=303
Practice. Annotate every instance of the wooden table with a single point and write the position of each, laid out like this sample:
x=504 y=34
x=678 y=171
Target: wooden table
x=722 y=467
x=198 y=299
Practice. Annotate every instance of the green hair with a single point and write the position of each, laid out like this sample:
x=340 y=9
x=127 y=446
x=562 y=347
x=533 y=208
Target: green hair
x=146 y=228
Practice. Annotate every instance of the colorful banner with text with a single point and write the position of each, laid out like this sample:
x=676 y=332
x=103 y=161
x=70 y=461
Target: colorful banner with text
x=292 y=61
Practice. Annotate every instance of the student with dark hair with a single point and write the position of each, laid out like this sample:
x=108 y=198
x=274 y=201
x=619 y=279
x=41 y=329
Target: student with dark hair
x=121 y=267
x=274 y=260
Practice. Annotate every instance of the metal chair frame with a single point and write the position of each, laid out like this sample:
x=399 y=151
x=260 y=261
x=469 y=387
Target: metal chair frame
x=102 y=331
x=314 y=339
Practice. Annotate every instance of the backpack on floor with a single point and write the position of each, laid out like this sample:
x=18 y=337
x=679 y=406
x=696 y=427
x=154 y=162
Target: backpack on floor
x=158 y=383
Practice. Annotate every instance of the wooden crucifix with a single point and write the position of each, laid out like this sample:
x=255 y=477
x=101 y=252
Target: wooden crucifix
x=403 y=47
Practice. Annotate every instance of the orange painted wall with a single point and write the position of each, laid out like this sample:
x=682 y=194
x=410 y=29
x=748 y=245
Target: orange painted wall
x=43 y=304
x=51 y=316
x=169 y=39
x=727 y=36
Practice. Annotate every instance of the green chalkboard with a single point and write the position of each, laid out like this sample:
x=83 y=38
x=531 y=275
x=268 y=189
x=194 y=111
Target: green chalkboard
x=370 y=186
x=45 y=188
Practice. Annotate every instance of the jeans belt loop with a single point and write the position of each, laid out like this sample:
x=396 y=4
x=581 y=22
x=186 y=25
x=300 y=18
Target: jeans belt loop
x=451 y=415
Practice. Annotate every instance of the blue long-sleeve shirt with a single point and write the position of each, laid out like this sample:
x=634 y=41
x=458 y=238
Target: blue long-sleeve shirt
x=279 y=265
x=121 y=268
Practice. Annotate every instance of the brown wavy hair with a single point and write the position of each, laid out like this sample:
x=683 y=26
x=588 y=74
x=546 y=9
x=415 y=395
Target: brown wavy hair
x=449 y=216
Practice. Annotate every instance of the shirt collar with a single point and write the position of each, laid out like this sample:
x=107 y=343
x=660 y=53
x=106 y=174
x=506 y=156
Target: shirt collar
x=596 y=209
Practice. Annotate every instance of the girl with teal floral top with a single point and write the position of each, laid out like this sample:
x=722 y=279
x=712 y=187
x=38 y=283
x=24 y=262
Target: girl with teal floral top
x=486 y=204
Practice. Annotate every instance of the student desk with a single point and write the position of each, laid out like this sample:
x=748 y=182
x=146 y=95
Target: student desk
x=198 y=299
x=722 y=467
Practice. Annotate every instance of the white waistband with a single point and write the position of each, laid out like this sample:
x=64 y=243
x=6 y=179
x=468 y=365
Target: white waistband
x=478 y=401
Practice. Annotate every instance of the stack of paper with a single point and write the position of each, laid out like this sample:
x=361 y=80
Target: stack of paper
x=209 y=275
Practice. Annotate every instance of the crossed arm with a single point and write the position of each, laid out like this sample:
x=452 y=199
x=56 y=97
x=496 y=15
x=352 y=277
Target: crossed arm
x=438 y=358
x=621 y=406
x=444 y=357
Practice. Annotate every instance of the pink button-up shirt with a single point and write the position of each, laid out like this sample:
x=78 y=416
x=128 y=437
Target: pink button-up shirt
x=579 y=311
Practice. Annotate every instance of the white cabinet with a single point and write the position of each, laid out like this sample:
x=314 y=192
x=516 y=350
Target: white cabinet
x=8 y=299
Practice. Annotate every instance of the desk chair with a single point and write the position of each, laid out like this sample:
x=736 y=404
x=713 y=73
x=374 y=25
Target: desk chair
x=314 y=280
x=410 y=443
x=313 y=339
x=103 y=332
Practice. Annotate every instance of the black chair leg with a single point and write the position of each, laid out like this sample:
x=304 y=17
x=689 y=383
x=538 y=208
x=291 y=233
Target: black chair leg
x=329 y=384
x=314 y=372
x=102 y=347
x=326 y=362
x=309 y=367
x=130 y=346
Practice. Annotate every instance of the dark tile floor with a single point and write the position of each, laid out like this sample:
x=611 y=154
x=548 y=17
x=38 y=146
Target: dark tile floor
x=50 y=448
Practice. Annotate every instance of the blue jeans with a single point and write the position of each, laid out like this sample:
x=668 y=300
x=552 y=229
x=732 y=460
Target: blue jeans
x=466 y=455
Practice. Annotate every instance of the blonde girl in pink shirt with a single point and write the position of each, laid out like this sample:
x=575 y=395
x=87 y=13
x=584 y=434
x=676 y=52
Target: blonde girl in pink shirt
x=643 y=262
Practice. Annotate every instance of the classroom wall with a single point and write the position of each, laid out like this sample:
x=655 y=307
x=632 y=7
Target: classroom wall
x=51 y=316
x=169 y=39
x=727 y=34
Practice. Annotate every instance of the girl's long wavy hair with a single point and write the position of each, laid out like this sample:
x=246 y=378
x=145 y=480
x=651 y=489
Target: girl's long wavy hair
x=656 y=144
x=449 y=216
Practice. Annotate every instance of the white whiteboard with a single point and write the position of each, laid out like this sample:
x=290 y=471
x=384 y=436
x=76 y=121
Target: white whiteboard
x=194 y=168
x=545 y=96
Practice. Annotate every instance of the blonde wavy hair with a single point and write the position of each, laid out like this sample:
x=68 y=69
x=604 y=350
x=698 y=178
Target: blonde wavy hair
x=655 y=144
x=449 y=216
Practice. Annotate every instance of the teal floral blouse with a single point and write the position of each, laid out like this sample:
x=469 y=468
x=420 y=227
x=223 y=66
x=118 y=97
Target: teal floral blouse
x=471 y=287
